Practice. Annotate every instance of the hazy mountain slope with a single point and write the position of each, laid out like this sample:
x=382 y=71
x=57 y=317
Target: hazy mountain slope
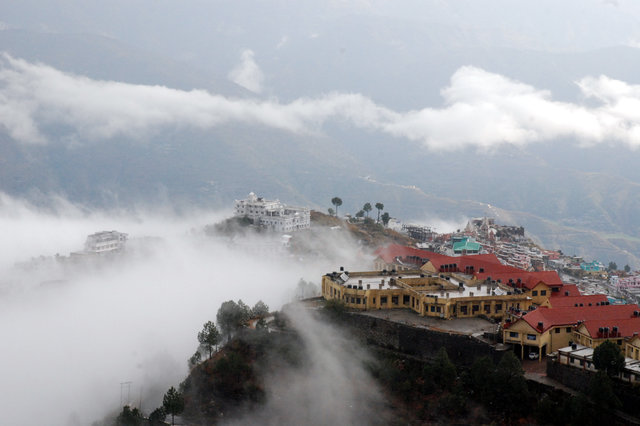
x=103 y=58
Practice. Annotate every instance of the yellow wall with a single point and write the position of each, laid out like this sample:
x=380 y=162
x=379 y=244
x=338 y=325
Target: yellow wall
x=406 y=294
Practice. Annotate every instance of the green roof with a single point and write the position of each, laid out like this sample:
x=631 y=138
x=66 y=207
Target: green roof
x=466 y=246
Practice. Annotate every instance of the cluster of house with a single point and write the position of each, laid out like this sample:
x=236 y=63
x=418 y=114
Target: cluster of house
x=272 y=214
x=537 y=312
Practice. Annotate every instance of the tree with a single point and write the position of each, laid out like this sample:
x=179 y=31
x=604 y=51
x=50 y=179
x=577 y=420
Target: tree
x=195 y=359
x=209 y=337
x=601 y=392
x=336 y=201
x=173 y=402
x=260 y=310
x=609 y=358
x=129 y=417
x=367 y=208
x=510 y=385
x=157 y=416
x=232 y=316
x=385 y=218
x=612 y=266
x=360 y=213
x=627 y=268
x=331 y=211
x=380 y=207
x=442 y=370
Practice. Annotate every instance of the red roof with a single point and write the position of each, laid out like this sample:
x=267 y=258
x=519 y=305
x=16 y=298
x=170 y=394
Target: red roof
x=522 y=278
x=568 y=301
x=567 y=290
x=553 y=317
x=625 y=327
x=391 y=252
x=473 y=262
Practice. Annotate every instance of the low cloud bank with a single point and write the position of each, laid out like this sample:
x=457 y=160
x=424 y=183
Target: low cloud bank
x=481 y=109
x=72 y=335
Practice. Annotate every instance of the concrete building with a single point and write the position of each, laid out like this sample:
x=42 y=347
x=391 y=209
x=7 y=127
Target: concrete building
x=435 y=295
x=105 y=241
x=272 y=214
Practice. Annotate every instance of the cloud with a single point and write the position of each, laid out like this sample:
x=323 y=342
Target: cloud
x=481 y=109
x=73 y=331
x=248 y=74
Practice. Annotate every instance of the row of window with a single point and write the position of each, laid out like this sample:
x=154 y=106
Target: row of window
x=542 y=292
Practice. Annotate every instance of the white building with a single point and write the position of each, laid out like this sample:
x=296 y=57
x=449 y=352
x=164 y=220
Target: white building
x=105 y=241
x=272 y=214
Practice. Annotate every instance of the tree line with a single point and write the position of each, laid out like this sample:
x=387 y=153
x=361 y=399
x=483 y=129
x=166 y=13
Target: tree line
x=364 y=211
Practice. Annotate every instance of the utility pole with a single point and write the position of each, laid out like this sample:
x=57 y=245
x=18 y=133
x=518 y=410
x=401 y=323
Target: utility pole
x=122 y=385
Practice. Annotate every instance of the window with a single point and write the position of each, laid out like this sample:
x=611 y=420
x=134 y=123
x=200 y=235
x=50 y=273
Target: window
x=534 y=293
x=463 y=310
x=568 y=329
x=531 y=337
x=498 y=307
x=487 y=309
x=405 y=300
x=374 y=300
x=513 y=334
x=475 y=308
x=353 y=300
x=433 y=308
x=557 y=330
x=383 y=300
x=543 y=292
x=437 y=308
x=394 y=300
x=358 y=300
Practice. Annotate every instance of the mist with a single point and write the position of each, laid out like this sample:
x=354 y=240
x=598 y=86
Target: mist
x=333 y=388
x=72 y=334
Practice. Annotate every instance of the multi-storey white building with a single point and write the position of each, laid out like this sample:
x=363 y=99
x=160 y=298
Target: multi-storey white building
x=105 y=241
x=272 y=214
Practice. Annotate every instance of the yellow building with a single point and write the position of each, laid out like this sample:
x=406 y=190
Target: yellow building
x=546 y=330
x=435 y=295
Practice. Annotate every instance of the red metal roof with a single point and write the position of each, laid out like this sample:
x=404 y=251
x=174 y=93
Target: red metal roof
x=393 y=251
x=571 y=289
x=526 y=279
x=568 y=301
x=626 y=327
x=566 y=316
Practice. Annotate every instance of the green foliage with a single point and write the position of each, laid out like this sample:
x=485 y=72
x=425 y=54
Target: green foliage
x=232 y=316
x=129 y=417
x=442 y=371
x=385 y=218
x=232 y=373
x=336 y=201
x=609 y=358
x=360 y=213
x=480 y=377
x=334 y=307
x=512 y=393
x=613 y=266
x=209 y=337
x=331 y=211
x=260 y=310
x=601 y=392
x=380 y=207
x=367 y=208
x=627 y=268
x=173 y=402
x=195 y=359
x=157 y=416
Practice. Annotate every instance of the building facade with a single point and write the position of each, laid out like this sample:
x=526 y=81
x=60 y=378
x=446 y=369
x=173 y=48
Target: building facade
x=272 y=214
x=105 y=241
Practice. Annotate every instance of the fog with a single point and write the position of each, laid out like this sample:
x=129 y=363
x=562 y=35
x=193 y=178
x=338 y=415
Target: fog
x=73 y=332
x=335 y=388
